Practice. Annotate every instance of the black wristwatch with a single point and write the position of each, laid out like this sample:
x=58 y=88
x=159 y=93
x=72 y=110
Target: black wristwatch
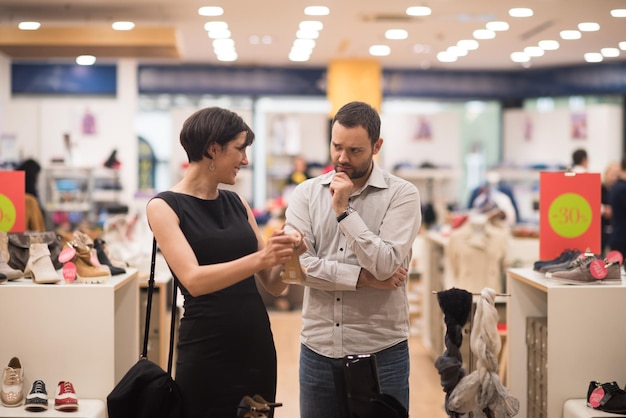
x=345 y=213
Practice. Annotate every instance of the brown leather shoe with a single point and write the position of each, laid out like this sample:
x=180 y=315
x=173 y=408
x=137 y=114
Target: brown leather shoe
x=12 y=393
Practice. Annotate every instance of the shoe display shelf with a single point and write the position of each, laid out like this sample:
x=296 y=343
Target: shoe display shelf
x=87 y=408
x=581 y=338
x=84 y=333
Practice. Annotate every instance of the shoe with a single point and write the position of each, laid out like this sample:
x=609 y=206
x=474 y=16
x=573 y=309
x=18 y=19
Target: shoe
x=9 y=272
x=570 y=264
x=100 y=243
x=37 y=399
x=86 y=272
x=12 y=393
x=104 y=258
x=606 y=397
x=65 y=399
x=590 y=271
x=565 y=256
x=39 y=265
x=3 y=278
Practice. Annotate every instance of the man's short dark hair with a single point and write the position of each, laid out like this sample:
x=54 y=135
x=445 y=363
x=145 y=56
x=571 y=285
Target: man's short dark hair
x=579 y=156
x=362 y=114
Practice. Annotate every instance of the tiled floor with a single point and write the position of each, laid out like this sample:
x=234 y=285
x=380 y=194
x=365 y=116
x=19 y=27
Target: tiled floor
x=426 y=393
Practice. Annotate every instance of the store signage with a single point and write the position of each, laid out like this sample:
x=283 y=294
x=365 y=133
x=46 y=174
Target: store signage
x=12 y=190
x=569 y=213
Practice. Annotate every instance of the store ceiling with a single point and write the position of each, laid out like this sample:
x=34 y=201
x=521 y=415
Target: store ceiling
x=172 y=31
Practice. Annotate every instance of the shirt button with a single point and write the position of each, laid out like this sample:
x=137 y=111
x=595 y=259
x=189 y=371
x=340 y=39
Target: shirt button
x=341 y=249
x=337 y=325
x=338 y=299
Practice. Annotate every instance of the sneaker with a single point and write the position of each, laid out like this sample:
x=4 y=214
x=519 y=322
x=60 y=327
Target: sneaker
x=591 y=271
x=566 y=256
x=37 y=399
x=12 y=393
x=65 y=399
x=607 y=397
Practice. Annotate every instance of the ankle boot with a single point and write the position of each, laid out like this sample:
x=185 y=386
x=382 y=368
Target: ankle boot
x=104 y=258
x=86 y=272
x=39 y=264
x=6 y=270
x=4 y=246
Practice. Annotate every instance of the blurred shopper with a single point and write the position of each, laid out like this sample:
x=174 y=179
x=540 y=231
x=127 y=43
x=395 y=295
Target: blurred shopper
x=611 y=174
x=617 y=199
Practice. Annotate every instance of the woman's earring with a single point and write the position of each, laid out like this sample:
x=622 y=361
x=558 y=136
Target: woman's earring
x=212 y=166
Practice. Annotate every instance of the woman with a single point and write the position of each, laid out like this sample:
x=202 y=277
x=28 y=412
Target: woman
x=213 y=246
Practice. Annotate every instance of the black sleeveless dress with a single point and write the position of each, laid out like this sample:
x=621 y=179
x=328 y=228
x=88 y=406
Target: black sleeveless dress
x=225 y=345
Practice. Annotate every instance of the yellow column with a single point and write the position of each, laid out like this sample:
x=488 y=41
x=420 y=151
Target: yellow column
x=354 y=80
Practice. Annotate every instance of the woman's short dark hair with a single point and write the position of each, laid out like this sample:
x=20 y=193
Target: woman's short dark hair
x=209 y=125
x=362 y=114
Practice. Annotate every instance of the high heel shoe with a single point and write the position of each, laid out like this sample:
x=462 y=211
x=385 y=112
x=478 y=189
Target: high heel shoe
x=39 y=265
x=104 y=258
x=9 y=272
x=293 y=272
x=86 y=272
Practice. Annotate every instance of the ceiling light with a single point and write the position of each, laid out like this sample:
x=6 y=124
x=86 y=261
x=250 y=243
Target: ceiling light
x=534 y=51
x=521 y=12
x=457 y=50
x=316 y=11
x=396 y=34
x=497 y=26
x=418 y=11
x=122 y=25
x=570 y=34
x=610 y=52
x=380 y=50
x=445 y=56
x=219 y=33
x=299 y=56
x=484 y=34
x=519 y=57
x=311 y=25
x=618 y=12
x=215 y=25
x=593 y=57
x=85 y=60
x=549 y=45
x=588 y=27
x=304 y=43
x=307 y=34
x=421 y=48
x=29 y=25
x=210 y=11
x=468 y=44
x=223 y=44
x=227 y=56
x=622 y=46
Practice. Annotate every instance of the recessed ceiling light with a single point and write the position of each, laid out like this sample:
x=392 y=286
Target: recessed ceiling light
x=588 y=27
x=227 y=56
x=122 y=25
x=304 y=43
x=419 y=11
x=210 y=11
x=618 y=12
x=85 y=60
x=593 y=57
x=497 y=26
x=299 y=56
x=29 y=25
x=457 y=50
x=622 y=46
x=534 y=51
x=380 y=50
x=468 y=44
x=549 y=45
x=570 y=34
x=307 y=34
x=215 y=25
x=396 y=34
x=219 y=33
x=311 y=25
x=519 y=57
x=610 y=52
x=521 y=12
x=316 y=11
x=445 y=56
x=223 y=44
x=484 y=34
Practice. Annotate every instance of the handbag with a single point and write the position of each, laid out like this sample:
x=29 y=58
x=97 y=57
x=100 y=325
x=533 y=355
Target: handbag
x=19 y=247
x=146 y=390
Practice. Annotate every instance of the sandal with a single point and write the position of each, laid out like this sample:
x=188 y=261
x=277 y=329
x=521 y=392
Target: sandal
x=293 y=272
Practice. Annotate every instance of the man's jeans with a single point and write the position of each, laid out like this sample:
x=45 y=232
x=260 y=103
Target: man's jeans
x=318 y=397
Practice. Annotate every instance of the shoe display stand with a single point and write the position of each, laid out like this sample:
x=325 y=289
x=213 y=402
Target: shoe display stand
x=584 y=341
x=87 y=334
x=87 y=408
x=577 y=408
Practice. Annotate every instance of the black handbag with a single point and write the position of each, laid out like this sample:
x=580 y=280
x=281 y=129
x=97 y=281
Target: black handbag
x=146 y=390
x=19 y=247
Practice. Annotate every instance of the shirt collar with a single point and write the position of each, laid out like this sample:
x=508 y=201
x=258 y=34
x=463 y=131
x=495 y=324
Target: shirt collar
x=376 y=178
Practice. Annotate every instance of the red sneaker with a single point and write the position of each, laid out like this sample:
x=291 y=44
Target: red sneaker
x=65 y=399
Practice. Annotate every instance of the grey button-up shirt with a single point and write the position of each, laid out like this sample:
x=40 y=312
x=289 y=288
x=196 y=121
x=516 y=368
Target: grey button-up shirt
x=337 y=318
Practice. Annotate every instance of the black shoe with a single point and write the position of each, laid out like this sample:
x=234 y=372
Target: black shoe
x=98 y=244
x=606 y=397
x=565 y=256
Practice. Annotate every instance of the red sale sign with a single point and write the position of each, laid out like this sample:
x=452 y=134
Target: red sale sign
x=569 y=213
x=12 y=212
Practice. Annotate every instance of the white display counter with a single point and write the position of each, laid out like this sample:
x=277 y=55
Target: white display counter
x=87 y=334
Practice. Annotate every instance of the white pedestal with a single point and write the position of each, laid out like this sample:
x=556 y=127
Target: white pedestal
x=87 y=408
x=87 y=334
x=577 y=408
x=585 y=336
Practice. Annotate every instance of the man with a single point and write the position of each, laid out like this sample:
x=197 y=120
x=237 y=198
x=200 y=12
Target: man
x=359 y=223
x=580 y=161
